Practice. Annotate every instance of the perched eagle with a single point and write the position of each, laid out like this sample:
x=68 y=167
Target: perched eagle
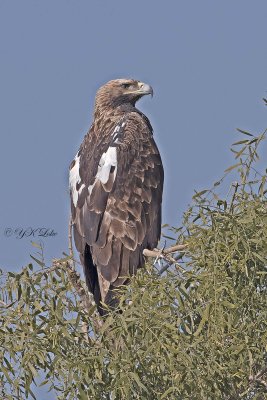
x=116 y=182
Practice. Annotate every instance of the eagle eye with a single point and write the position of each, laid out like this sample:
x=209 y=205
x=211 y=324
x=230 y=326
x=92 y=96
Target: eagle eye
x=125 y=85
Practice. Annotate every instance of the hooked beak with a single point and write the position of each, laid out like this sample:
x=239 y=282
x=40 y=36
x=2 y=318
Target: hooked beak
x=144 y=89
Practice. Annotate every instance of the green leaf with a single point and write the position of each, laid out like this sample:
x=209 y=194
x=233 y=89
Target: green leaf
x=244 y=132
x=6 y=373
x=82 y=394
x=11 y=369
x=199 y=194
x=32 y=369
x=217 y=183
x=42 y=264
x=19 y=291
x=167 y=392
x=138 y=381
x=34 y=244
x=232 y=167
x=240 y=142
x=229 y=305
x=44 y=382
x=204 y=319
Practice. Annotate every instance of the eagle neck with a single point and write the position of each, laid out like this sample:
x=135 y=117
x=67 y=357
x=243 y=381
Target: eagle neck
x=107 y=115
x=103 y=109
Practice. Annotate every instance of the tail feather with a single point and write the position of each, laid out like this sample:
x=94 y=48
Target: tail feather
x=111 y=300
x=90 y=273
x=101 y=289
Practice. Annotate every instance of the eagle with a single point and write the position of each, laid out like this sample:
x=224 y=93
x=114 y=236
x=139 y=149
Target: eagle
x=116 y=184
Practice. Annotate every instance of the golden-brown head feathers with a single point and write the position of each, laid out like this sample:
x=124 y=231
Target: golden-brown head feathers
x=121 y=91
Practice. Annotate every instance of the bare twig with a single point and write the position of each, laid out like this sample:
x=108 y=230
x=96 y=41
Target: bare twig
x=262 y=382
x=261 y=373
x=70 y=241
x=3 y=304
x=258 y=377
x=48 y=270
x=235 y=185
x=167 y=265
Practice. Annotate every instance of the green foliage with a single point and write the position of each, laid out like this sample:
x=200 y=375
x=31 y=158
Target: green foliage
x=197 y=332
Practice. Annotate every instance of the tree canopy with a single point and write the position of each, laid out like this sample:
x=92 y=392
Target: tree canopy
x=193 y=326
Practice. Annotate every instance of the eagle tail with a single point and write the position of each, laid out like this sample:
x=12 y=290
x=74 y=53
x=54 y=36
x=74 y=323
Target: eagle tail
x=90 y=273
x=111 y=300
x=97 y=285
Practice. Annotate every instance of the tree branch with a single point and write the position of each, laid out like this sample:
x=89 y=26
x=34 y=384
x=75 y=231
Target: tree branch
x=3 y=304
x=167 y=265
x=165 y=255
x=76 y=281
x=258 y=377
x=70 y=241
x=162 y=253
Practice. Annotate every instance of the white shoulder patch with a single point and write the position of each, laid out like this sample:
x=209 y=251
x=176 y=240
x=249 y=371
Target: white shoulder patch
x=108 y=160
x=74 y=179
x=118 y=131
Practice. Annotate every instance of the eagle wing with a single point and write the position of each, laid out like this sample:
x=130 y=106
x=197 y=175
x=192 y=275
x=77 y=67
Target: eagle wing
x=116 y=183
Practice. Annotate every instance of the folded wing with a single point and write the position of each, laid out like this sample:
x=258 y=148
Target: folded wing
x=116 y=190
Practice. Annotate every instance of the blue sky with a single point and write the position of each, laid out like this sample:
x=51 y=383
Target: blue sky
x=206 y=61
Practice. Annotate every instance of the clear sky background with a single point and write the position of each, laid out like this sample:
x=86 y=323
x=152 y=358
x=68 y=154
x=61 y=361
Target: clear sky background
x=206 y=61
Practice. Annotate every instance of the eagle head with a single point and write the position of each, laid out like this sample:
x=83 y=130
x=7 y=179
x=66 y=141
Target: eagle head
x=121 y=91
